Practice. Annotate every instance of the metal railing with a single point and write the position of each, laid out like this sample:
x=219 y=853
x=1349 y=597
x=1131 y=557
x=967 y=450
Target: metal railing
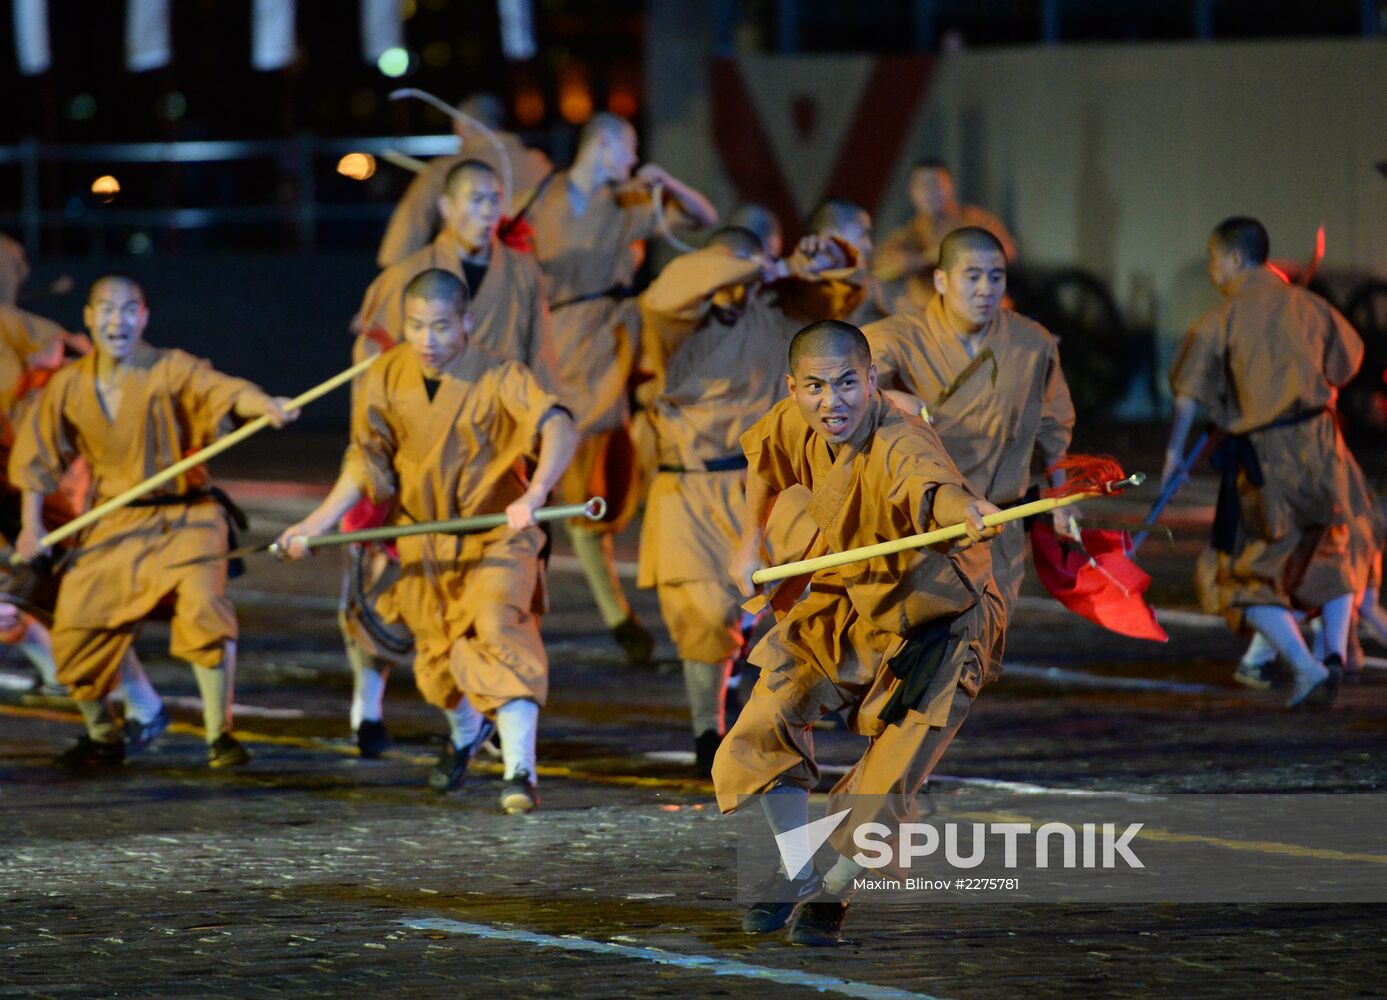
x=297 y=157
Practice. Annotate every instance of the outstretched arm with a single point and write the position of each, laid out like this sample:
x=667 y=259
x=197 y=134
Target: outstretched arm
x=344 y=495
x=1185 y=409
x=558 y=438
x=750 y=556
x=693 y=203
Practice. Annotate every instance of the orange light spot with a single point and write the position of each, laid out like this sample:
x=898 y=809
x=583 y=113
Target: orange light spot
x=106 y=187
x=622 y=101
x=357 y=166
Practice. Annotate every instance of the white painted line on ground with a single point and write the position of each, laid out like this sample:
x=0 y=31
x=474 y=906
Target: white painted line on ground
x=15 y=682
x=252 y=711
x=1082 y=678
x=697 y=963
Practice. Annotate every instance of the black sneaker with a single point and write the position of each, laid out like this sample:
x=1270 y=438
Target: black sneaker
x=788 y=896
x=89 y=755
x=227 y=751
x=819 y=924
x=520 y=795
x=705 y=749
x=1323 y=692
x=372 y=738
x=450 y=771
x=140 y=735
x=635 y=642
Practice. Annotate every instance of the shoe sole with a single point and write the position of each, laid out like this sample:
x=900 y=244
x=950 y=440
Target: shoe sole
x=516 y=803
x=230 y=760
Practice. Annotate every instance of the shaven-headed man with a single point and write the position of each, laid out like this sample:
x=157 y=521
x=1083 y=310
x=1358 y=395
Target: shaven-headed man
x=441 y=429
x=590 y=222
x=132 y=410
x=1001 y=406
x=899 y=645
x=1266 y=366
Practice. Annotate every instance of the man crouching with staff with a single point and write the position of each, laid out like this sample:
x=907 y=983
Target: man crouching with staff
x=441 y=427
x=900 y=645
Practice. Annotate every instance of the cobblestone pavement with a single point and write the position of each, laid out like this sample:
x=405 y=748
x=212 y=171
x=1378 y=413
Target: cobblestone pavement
x=314 y=873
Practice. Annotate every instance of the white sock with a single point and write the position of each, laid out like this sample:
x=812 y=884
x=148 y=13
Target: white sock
x=1259 y=652
x=142 y=702
x=838 y=880
x=787 y=808
x=1336 y=615
x=37 y=647
x=1318 y=647
x=518 y=722
x=706 y=687
x=1279 y=627
x=216 y=685
x=368 y=687
x=464 y=724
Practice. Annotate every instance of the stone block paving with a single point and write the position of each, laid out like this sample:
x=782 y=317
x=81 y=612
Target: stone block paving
x=314 y=873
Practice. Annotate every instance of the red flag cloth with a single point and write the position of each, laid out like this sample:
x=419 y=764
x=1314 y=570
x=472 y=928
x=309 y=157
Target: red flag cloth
x=517 y=234
x=368 y=515
x=1104 y=586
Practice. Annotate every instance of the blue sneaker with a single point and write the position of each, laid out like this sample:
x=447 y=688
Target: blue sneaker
x=139 y=735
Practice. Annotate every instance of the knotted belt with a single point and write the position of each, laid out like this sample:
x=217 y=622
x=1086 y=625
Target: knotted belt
x=1234 y=454
x=235 y=515
x=728 y=463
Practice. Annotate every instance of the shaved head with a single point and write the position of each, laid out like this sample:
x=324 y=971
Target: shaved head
x=466 y=169
x=119 y=278
x=742 y=242
x=604 y=123
x=761 y=221
x=830 y=338
x=436 y=285
x=1243 y=235
x=835 y=214
x=968 y=239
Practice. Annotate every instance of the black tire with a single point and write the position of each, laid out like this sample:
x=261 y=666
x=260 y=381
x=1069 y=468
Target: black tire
x=1095 y=351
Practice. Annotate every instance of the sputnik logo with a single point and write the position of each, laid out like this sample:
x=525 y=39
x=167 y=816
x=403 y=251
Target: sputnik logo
x=798 y=846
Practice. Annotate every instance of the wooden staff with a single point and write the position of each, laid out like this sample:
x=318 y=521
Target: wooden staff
x=403 y=160
x=195 y=459
x=461 y=116
x=594 y=510
x=786 y=570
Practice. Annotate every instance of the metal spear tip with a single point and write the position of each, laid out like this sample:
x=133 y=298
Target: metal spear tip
x=1135 y=479
x=595 y=509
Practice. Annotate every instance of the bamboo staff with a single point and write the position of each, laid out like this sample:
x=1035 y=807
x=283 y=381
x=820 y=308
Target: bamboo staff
x=195 y=459
x=786 y=570
x=459 y=115
x=403 y=160
x=594 y=510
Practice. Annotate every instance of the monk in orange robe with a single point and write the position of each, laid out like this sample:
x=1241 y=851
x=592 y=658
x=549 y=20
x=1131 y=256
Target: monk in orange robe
x=1265 y=366
x=131 y=410
x=510 y=318
x=850 y=223
x=906 y=259
x=719 y=322
x=899 y=644
x=589 y=223
x=417 y=218
x=441 y=428
x=1006 y=408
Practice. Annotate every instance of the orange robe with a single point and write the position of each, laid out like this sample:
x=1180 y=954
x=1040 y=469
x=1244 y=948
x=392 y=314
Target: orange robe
x=991 y=432
x=919 y=239
x=715 y=380
x=831 y=651
x=509 y=314
x=471 y=601
x=416 y=219
x=171 y=405
x=1266 y=365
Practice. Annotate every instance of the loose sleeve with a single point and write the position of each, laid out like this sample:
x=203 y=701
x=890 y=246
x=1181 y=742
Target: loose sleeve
x=684 y=286
x=1056 y=410
x=1343 y=349
x=919 y=464
x=369 y=460
x=770 y=449
x=207 y=397
x=1196 y=372
x=883 y=337
x=525 y=402
x=44 y=444
x=415 y=219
